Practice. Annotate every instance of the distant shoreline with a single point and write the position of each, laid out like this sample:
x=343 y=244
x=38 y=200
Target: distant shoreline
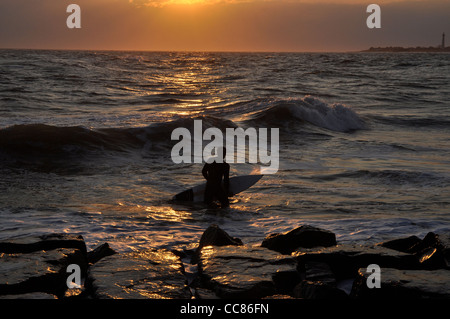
x=411 y=49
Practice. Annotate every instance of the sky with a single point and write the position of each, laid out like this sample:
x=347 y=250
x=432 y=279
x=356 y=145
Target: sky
x=222 y=25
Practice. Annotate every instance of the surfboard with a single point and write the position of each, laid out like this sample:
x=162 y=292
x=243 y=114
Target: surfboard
x=237 y=184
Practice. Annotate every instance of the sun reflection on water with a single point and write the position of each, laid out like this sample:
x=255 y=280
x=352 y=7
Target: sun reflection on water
x=167 y=213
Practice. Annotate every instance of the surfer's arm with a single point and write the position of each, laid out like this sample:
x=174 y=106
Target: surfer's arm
x=226 y=179
x=205 y=172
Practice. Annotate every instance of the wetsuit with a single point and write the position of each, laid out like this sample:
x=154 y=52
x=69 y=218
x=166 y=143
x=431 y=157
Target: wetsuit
x=213 y=174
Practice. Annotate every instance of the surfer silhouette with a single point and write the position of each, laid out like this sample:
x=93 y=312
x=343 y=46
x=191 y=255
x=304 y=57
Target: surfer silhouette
x=214 y=173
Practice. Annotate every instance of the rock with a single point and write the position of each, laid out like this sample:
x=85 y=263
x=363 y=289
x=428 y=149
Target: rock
x=305 y=236
x=432 y=252
x=39 y=271
x=445 y=246
x=201 y=293
x=345 y=260
x=318 y=272
x=216 y=236
x=75 y=293
x=43 y=242
x=147 y=274
x=278 y=297
x=345 y=285
x=100 y=252
x=402 y=244
x=404 y=284
x=246 y=272
x=430 y=240
x=318 y=290
x=31 y=295
x=319 y=282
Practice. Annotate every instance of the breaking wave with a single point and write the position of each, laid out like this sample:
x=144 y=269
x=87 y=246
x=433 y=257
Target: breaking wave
x=29 y=142
x=34 y=142
x=335 y=117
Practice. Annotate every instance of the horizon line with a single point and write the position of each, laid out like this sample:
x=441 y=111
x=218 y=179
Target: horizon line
x=367 y=50
x=191 y=51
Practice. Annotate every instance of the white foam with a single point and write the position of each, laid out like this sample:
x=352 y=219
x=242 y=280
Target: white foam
x=336 y=117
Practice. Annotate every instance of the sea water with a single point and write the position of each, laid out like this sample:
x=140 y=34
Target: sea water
x=85 y=143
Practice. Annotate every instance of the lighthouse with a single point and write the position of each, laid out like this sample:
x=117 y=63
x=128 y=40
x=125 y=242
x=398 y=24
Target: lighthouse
x=443 y=40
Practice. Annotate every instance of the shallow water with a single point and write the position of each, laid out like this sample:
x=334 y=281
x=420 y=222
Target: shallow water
x=85 y=143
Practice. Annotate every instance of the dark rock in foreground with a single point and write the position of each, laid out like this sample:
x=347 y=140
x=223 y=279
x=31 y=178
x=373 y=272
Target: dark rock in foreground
x=404 y=284
x=432 y=252
x=43 y=242
x=278 y=297
x=36 y=267
x=305 y=236
x=246 y=272
x=216 y=236
x=31 y=295
x=318 y=290
x=148 y=274
x=445 y=247
x=317 y=271
x=345 y=260
x=100 y=252
x=402 y=244
x=318 y=268
x=39 y=271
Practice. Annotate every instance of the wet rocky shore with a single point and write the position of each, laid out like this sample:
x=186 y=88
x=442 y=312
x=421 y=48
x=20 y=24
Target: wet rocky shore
x=304 y=263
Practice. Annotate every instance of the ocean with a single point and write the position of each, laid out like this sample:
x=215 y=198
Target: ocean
x=85 y=144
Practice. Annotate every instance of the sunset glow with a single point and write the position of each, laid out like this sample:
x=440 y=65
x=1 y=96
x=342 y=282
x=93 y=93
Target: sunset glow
x=174 y=2
x=222 y=25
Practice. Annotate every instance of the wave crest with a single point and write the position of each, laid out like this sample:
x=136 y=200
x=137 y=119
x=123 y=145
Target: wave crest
x=335 y=117
x=37 y=142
